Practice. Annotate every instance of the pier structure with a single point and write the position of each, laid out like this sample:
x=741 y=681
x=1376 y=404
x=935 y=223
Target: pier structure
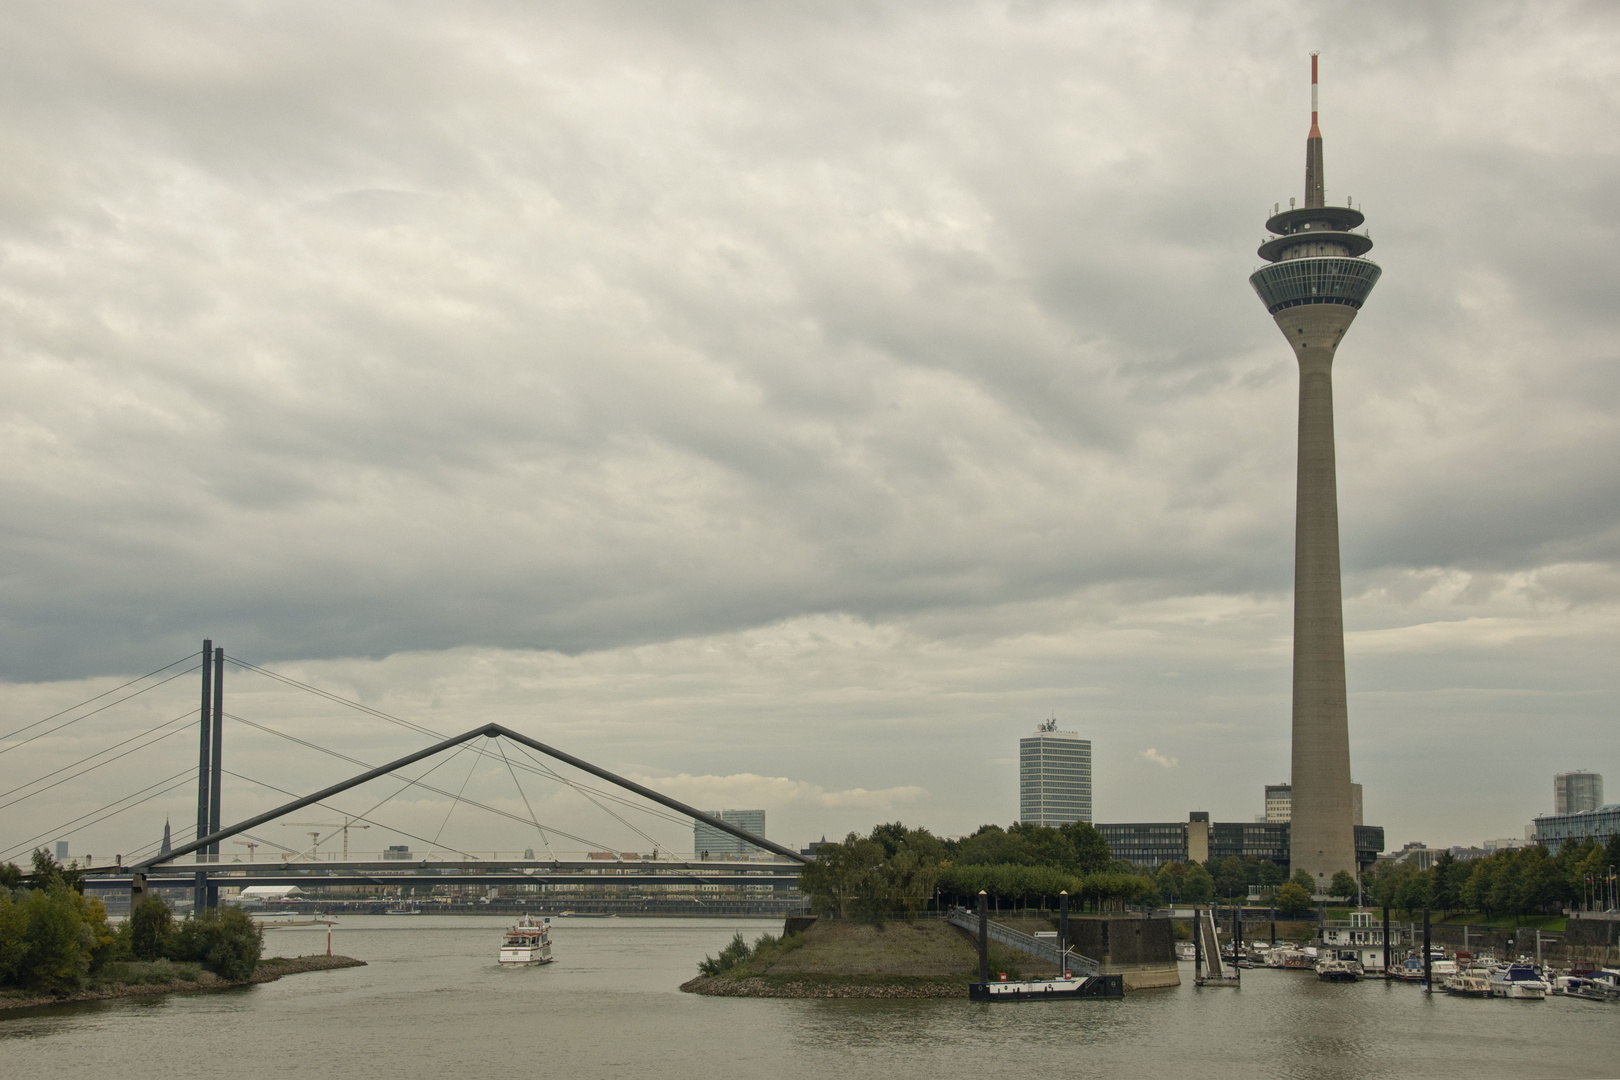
x=1314 y=284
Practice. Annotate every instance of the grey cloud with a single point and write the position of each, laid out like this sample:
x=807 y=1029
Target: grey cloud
x=337 y=333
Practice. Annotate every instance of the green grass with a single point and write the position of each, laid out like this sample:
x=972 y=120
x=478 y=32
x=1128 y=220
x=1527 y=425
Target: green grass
x=148 y=973
x=1550 y=923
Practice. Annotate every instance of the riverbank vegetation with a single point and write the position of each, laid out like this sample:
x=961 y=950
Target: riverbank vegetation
x=1509 y=887
x=895 y=872
x=55 y=941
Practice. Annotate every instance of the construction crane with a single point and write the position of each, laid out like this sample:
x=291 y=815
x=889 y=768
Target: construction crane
x=315 y=838
x=249 y=844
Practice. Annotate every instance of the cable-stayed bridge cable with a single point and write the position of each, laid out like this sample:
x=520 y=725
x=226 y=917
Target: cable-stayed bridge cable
x=93 y=712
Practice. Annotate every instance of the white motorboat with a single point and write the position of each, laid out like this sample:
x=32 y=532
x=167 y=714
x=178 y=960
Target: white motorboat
x=528 y=942
x=1520 y=982
x=1333 y=969
x=1468 y=984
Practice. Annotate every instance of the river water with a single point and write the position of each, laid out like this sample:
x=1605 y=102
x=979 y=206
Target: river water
x=433 y=1003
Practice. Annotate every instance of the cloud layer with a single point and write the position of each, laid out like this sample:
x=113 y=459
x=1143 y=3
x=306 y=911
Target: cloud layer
x=546 y=337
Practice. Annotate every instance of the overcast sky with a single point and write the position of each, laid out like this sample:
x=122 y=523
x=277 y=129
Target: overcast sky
x=791 y=405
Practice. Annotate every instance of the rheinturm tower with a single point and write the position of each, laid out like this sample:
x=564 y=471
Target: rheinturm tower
x=1314 y=284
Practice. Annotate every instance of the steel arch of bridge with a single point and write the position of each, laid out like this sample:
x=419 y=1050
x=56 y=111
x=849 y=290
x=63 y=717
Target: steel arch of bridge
x=492 y=731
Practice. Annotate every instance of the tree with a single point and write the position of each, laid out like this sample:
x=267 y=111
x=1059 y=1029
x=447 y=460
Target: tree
x=1449 y=876
x=1172 y=881
x=1269 y=874
x=1091 y=851
x=1293 y=899
x=1197 y=886
x=1233 y=877
x=1343 y=885
x=224 y=940
x=839 y=874
x=151 y=930
x=994 y=846
x=1540 y=886
x=1303 y=879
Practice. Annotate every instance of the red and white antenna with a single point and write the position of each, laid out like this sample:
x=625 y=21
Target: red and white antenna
x=1316 y=132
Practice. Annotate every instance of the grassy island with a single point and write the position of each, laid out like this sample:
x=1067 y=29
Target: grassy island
x=837 y=959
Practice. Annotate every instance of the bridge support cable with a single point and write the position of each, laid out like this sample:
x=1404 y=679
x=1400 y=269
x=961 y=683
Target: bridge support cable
x=455 y=800
x=327 y=806
x=487 y=731
x=68 y=828
x=648 y=793
x=589 y=793
x=418 y=783
x=98 y=697
x=370 y=821
x=525 y=795
x=379 y=804
x=91 y=757
x=423 y=730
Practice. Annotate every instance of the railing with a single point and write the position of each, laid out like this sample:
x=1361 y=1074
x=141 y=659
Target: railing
x=1017 y=939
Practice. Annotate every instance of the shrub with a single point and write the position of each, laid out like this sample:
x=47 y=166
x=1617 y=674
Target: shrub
x=224 y=940
x=730 y=956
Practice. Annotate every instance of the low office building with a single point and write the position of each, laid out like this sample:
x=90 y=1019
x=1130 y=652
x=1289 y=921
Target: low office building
x=1152 y=844
x=1553 y=829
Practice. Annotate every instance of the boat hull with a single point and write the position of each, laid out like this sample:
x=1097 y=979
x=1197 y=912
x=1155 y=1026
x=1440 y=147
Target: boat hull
x=1091 y=986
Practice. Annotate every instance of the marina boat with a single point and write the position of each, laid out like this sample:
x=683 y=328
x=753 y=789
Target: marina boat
x=1335 y=970
x=1290 y=957
x=403 y=911
x=1520 y=982
x=1070 y=986
x=1468 y=984
x=1579 y=986
x=528 y=942
x=1185 y=950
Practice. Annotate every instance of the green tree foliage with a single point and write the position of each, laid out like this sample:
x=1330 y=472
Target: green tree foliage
x=50 y=938
x=1198 y=887
x=890 y=874
x=1293 y=899
x=1304 y=880
x=224 y=940
x=151 y=930
x=1231 y=878
x=10 y=876
x=1343 y=885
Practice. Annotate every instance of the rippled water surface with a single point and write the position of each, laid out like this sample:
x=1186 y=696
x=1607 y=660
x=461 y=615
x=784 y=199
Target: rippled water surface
x=433 y=1003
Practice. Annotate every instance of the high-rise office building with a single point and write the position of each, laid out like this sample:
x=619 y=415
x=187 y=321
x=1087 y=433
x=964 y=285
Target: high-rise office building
x=1314 y=285
x=1279 y=798
x=708 y=840
x=1574 y=792
x=1054 y=777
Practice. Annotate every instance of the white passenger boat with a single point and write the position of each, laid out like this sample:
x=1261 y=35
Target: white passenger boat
x=1518 y=981
x=528 y=942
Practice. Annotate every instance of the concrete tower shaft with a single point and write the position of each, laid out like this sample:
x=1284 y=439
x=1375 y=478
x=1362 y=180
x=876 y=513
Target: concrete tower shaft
x=1314 y=286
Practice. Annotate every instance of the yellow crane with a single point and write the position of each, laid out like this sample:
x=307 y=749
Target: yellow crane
x=315 y=838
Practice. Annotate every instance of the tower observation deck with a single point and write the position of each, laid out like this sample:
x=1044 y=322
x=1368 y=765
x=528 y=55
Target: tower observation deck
x=1314 y=285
